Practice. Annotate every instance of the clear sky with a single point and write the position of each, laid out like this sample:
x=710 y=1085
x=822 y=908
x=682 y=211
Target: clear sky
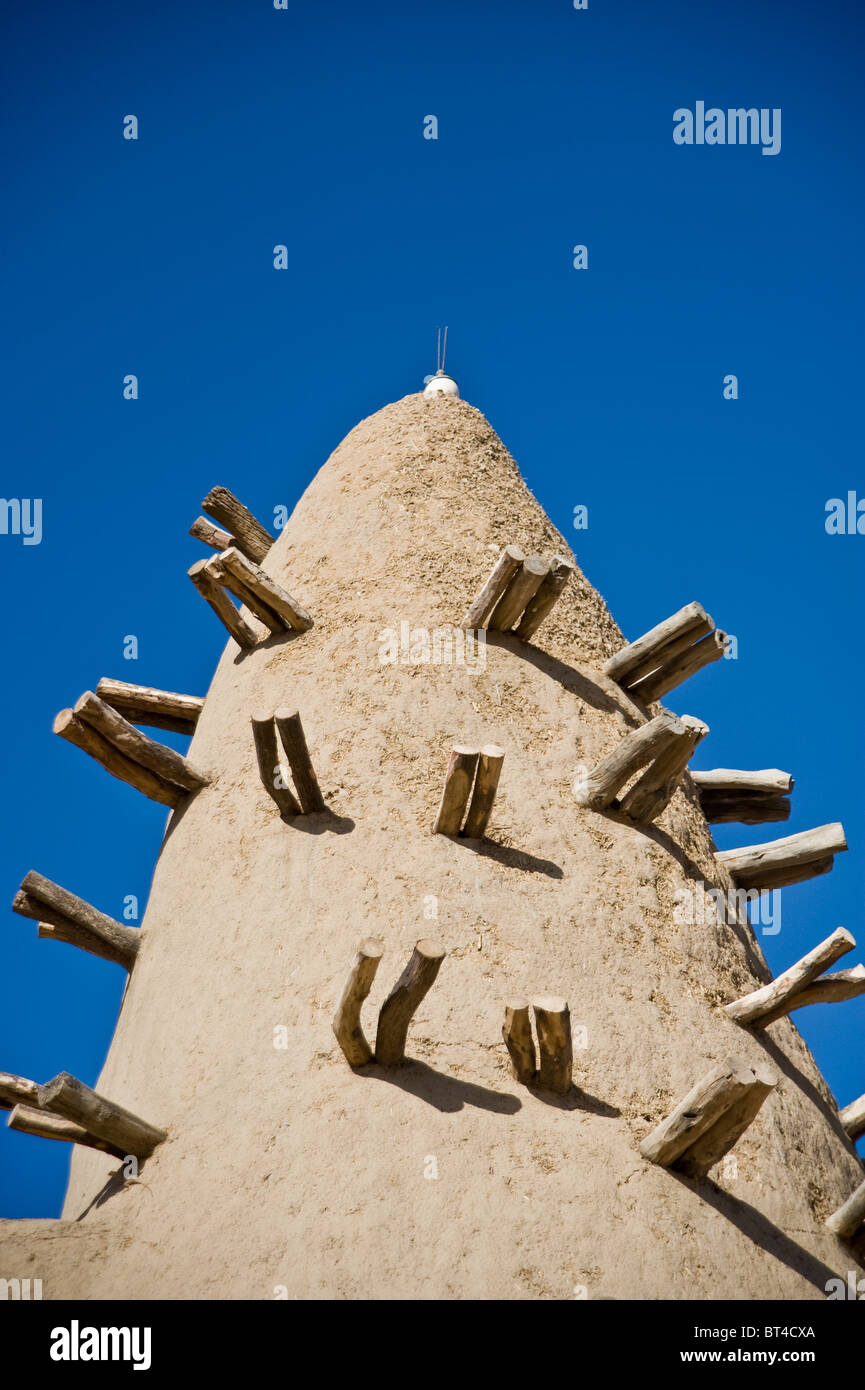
x=304 y=127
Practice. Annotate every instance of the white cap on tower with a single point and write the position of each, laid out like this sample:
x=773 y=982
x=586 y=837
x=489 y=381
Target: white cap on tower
x=441 y=385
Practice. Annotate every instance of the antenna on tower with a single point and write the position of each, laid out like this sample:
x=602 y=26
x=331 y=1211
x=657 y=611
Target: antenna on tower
x=441 y=383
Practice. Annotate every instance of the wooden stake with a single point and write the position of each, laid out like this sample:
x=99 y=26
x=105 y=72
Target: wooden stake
x=221 y=604
x=69 y=1097
x=635 y=750
x=346 y=1021
x=547 y=596
x=772 y=864
x=662 y=643
x=767 y=781
x=204 y=530
x=489 y=770
x=403 y=1002
x=491 y=591
x=458 y=785
x=652 y=793
x=159 y=709
x=294 y=742
x=159 y=759
x=715 y=1142
x=70 y=919
x=16 y=1090
x=271 y=772
x=705 y=1103
x=553 y=1025
x=68 y=726
x=662 y=681
x=853 y=1118
x=725 y=808
x=28 y=1120
x=517 y=1033
x=522 y=588
x=250 y=600
x=845 y=1222
x=266 y=590
x=763 y=1006
x=251 y=536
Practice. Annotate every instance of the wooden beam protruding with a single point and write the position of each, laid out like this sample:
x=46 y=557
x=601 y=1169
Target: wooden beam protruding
x=271 y=771
x=660 y=644
x=68 y=726
x=457 y=789
x=214 y=536
x=243 y=578
x=551 y=588
x=836 y=988
x=853 y=1118
x=28 y=1119
x=780 y=996
x=220 y=574
x=635 y=750
x=216 y=597
x=64 y=917
x=171 y=767
x=735 y=796
x=485 y=600
x=67 y=1096
x=652 y=793
x=251 y=536
x=403 y=1001
x=489 y=769
x=17 y=1090
x=302 y=771
x=681 y=668
x=716 y=1093
x=553 y=1026
x=520 y=591
x=789 y=860
x=846 y=1221
x=159 y=709
x=716 y=1141
x=517 y=1033
x=766 y=781
x=346 y=1021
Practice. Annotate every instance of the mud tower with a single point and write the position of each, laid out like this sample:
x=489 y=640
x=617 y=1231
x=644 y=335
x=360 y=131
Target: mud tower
x=635 y=1138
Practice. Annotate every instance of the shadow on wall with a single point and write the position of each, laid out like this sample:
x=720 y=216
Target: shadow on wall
x=762 y=1232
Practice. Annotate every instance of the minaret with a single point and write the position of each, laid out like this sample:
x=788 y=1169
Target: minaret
x=287 y=1169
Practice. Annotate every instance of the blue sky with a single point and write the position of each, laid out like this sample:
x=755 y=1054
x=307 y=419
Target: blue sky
x=305 y=127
